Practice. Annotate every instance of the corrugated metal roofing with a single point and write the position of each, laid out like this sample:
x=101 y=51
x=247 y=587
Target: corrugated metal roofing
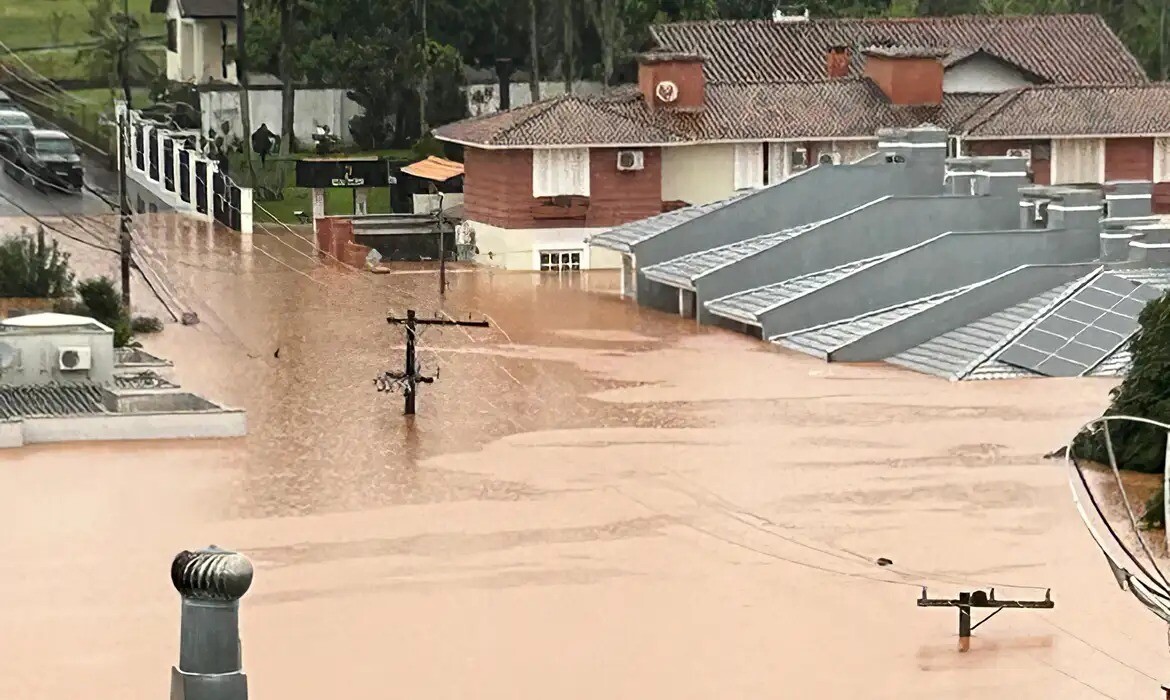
x=823 y=340
x=50 y=400
x=749 y=304
x=623 y=238
x=681 y=272
x=1116 y=365
x=951 y=354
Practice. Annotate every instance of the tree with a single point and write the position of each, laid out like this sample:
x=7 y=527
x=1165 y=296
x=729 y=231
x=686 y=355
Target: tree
x=533 y=52
x=288 y=36
x=608 y=19
x=30 y=268
x=102 y=302
x=569 y=38
x=117 y=53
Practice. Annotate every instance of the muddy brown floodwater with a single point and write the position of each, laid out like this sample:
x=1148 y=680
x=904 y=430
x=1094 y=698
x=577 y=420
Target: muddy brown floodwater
x=594 y=501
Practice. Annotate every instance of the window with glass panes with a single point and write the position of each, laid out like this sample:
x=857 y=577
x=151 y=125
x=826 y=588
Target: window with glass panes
x=556 y=260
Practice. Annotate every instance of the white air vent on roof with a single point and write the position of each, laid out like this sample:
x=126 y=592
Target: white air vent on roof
x=630 y=160
x=74 y=359
x=833 y=158
x=781 y=16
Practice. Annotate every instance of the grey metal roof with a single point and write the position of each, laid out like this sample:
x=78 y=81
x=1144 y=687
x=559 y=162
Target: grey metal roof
x=1116 y=365
x=143 y=380
x=751 y=303
x=50 y=400
x=956 y=354
x=623 y=238
x=1155 y=276
x=681 y=272
x=823 y=340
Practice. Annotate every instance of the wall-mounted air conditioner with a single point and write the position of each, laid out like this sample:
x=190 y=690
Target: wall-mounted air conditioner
x=1025 y=153
x=831 y=158
x=630 y=160
x=74 y=359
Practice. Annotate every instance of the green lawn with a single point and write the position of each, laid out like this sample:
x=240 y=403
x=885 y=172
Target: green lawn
x=26 y=23
x=62 y=64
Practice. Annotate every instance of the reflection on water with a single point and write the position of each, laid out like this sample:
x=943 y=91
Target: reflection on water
x=594 y=500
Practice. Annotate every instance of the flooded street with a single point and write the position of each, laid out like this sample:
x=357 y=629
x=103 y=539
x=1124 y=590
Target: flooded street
x=594 y=501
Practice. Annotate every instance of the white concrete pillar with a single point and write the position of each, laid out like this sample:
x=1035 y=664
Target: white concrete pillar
x=147 y=134
x=209 y=187
x=246 y=211
x=318 y=206
x=191 y=184
x=176 y=167
x=162 y=156
x=361 y=201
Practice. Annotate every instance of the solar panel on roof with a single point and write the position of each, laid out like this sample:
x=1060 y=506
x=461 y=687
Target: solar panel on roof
x=1082 y=331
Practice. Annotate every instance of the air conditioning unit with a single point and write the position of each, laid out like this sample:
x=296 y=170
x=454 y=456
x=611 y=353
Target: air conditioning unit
x=74 y=359
x=630 y=160
x=1025 y=153
x=833 y=158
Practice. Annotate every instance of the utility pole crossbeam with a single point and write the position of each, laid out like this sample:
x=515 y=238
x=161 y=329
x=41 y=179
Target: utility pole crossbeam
x=409 y=378
x=980 y=599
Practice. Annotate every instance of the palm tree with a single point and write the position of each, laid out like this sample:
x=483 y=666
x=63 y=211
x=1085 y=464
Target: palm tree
x=118 y=53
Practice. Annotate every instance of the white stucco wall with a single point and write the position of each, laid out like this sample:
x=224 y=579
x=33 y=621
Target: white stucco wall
x=698 y=174
x=485 y=99
x=210 y=34
x=11 y=433
x=329 y=107
x=982 y=74
x=37 y=357
x=144 y=426
x=519 y=249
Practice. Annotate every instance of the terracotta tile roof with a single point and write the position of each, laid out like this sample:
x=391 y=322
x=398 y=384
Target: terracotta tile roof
x=1061 y=48
x=435 y=168
x=50 y=400
x=823 y=109
x=1074 y=111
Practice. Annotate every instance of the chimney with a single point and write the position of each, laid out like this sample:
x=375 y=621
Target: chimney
x=837 y=62
x=504 y=75
x=998 y=176
x=910 y=76
x=672 y=80
x=1115 y=245
x=1150 y=245
x=923 y=149
x=1127 y=199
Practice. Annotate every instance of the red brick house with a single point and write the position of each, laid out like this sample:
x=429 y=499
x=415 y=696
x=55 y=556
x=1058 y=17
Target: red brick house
x=725 y=106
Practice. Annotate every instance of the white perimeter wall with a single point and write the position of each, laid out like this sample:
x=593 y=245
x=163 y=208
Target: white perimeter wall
x=141 y=426
x=328 y=107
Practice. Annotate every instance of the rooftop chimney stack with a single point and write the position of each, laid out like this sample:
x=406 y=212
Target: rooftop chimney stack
x=999 y=176
x=1150 y=245
x=837 y=62
x=1127 y=199
x=922 y=148
x=909 y=76
x=504 y=75
x=672 y=80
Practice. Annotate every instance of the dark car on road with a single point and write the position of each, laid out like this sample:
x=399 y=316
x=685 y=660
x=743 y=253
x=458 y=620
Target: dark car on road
x=12 y=122
x=46 y=160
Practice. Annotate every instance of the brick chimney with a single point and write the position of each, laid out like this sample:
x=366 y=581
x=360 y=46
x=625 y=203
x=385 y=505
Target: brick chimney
x=672 y=80
x=837 y=62
x=909 y=76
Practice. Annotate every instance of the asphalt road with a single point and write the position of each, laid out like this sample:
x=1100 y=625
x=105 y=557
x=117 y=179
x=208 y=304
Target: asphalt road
x=52 y=203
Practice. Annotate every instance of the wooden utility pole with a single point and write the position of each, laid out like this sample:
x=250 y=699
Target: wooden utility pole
x=409 y=379
x=979 y=599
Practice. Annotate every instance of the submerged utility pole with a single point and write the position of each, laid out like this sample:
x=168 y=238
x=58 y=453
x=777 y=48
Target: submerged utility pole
x=980 y=599
x=409 y=379
x=124 y=208
x=211 y=582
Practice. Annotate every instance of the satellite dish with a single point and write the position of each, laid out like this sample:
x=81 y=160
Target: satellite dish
x=1115 y=466
x=7 y=356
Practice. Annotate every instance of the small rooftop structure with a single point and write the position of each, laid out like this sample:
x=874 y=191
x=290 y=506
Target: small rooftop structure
x=61 y=380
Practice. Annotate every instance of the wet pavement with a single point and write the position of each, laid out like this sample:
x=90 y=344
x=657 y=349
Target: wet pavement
x=594 y=500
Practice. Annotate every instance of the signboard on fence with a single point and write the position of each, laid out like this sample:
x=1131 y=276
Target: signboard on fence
x=320 y=173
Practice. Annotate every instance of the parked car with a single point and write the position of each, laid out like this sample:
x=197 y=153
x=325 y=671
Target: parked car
x=12 y=122
x=46 y=159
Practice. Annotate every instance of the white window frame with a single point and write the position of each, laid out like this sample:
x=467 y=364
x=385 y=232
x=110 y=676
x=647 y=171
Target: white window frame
x=558 y=172
x=560 y=251
x=1062 y=150
x=1162 y=159
x=748 y=166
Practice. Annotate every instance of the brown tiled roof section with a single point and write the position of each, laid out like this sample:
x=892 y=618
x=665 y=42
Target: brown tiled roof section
x=1075 y=111
x=906 y=51
x=1062 y=48
x=824 y=109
